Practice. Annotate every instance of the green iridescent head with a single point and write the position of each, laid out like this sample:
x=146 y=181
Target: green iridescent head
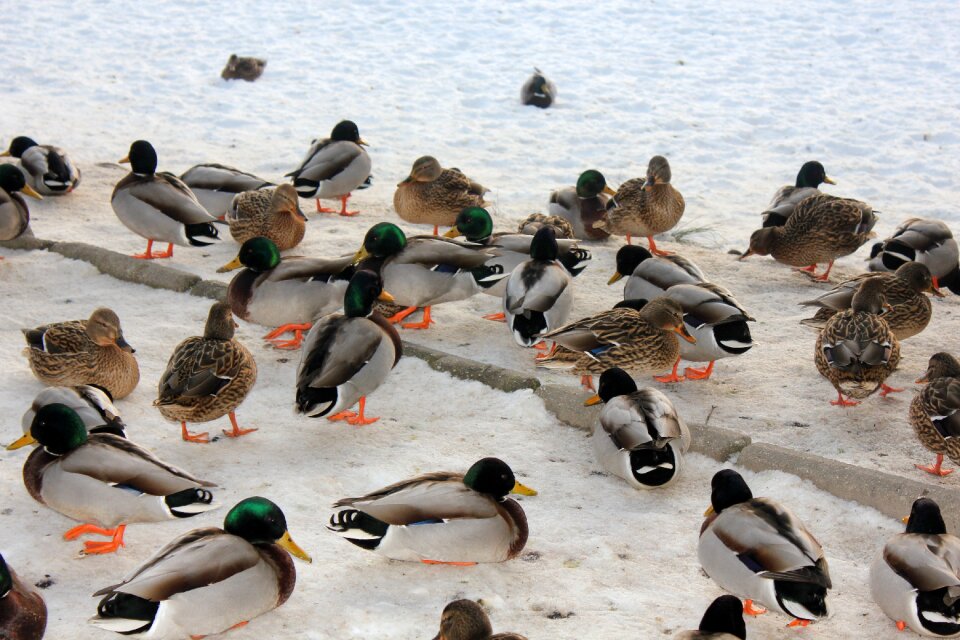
x=474 y=223
x=591 y=184
x=384 y=239
x=260 y=521
x=58 y=428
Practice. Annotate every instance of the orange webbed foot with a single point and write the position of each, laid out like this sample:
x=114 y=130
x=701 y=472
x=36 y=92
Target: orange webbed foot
x=691 y=373
x=936 y=468
x=750 y=610
x=496 y=317
x=236 y=432
x=587 y=383
x=672 y=376
x=193 y=437
x=87 y=529
x=343 y=415
x=799 y=622
x=400 y=315
x=844 y=402
x=423 y=324
x=886 y=390
x=547 y=354
x=901 y=625
x=97 y=548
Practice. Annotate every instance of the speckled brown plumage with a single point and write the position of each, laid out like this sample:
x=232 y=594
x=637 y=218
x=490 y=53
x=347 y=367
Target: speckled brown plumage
x=23 y=613
x=535 y=221
x=435 y=197
x=935 y=411
x=273 y=214
x=645 y=206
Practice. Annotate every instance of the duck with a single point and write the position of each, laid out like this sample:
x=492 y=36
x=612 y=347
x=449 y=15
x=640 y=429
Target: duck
x=208 y=580
x=94 y=406
x=856 y=350
x=934 y=411
x=243 y=68
x=284 y=292
x=785 y=200
x=48 y=168
x=539 y=293
x=723 y=620
x=270 y=214
x=645 y=206
x=821 y=229
x=538 y=91
x=434 y=195
x=159 y=206
x=633 y=335
x=929 y=242
x=207 y=377
x=77 y=352
x=466 y=620
x=440 y=518
x=105 y=480
x=650 y=276
x=14 y=213
x=216 y=185
x=346 y=357
x=583 y=205
x=915 y=579
x=333 y=168
x=23 y=613
x=533 y=222
x=422 y=271
x=910 y=310
x=757 y=549
x=640 y=436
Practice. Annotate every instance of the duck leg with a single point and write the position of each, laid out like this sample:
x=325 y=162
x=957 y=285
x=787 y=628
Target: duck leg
x=654 y=250
x=692 y=373
x=935 y=469
x=92 y=548
x=824 y=277
x=811 y=269
x=750 y=610
x=436 y=230
x=87 y=529
x=237 y=431
x=628 y=239
x=587 y=383
x=423 y=324
x=150 y=255
x=886 y=390
x=343 y=207
x=843 y=402
x=496 y=317
x=359 y=419
x=452 y=564
x=901 y=625
x=192 y=437
x=553 y=350
x=400 y=315
x=799 y=622
x=672 y=376
x=295 y=342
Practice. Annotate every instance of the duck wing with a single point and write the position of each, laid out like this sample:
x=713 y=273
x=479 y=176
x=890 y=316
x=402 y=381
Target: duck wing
x=337 y=348
x=200 y=367
x=927 y=562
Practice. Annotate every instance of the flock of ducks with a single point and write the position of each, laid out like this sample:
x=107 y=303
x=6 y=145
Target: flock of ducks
x=341 y=313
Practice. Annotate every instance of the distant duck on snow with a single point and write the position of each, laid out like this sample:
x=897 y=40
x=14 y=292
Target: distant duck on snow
x=538 y=91
x=48 y=169
x=243 y=68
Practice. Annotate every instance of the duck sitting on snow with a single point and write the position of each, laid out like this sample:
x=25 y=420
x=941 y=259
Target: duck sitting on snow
x=929 y=242
x=538 y=91
x=23 y=613
x=333 y=168
x=271 y=214
x=92 y=404
x=650 y=276
x=583 y=205
x=723 y=620
x=243 y=68
x=49 y=169
x=14 y=214
x=216 y=185
x=466 y=620
x=785 y=200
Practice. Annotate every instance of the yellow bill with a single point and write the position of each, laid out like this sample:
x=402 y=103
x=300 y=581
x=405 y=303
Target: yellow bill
x=5 y=154
x=829 y=180
x=125 y=160
x=523 y=490
x=287 y=543
x=385 y=297
x=905 y=519
x=616 y=276
x=23 y=441
x=230 y=266
x=360 y=255
x=363 y=142
x=453 y=233
x=607 y=190
x=30 y=191
x=709 y=512
x=592 y=400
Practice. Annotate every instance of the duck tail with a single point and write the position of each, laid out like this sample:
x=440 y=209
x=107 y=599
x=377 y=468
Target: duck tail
x=125 y=613
x=575 y=261
x=488 y=275
x=190 y=502
x=360 y=528
x=305 y=188
x=527 y=327
x=201 y=230
x=316 y=402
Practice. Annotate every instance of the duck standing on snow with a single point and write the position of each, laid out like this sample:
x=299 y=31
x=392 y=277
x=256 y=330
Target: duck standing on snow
x=287 y=293
x=92 y=404
x=785 y=200
x=856 y=350
x=723 y=620
x=272 y=214
x=929 y=242
x=466 y=620
x=935 y=411
x=434 y=195
x=14 y=214
x=48 y=168
x=216 y=185
x=583 y=205
x=757 y=549
x=645 y=207
x=821 y=229
x=159 y=206
x=440 y=518
x=23 y=613
x=105 y=480
x=641 y=437
x=346 y=357
x=539 y=293
x=333 y=168
x=208 y=580
x=207 y=377
x=79 y=352
x=537 y=91
x=650 y=276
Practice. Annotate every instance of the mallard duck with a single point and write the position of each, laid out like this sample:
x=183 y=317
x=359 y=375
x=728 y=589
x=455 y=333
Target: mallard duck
x=758 y=549
x=821 y=229
x=537 y=91
x=23 y=613
x=243 y=68
x=287 y=293
x=785 y=200
x=159 y=206
x=466 y=620
x=856 y=350
x=640 y=437
x=271 y=214
x=929 y=242
x=634 y=338
x=583 y=205
x=207 y=377
x=14 y=214
x=49 y=169
x=535 y=221
x=440 y=518
x=216 y=185
x=934 y=411
x=333 y=168
x=723 y=620
x=434 y=195
x=208 y=580
x=915 y=579
x=104 y=479
x=92 y=404
x=79 y=352
x=648 y=276
x=347 y=357
x=539 y=292
x=645 y=207
x=426 y=270
x=910 y=311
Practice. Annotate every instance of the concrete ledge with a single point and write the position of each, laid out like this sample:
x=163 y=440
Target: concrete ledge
x=27 y=242
x=490 y=375
x=210 y=289
x=717 y=442
x=566 y=403
x=126 y=268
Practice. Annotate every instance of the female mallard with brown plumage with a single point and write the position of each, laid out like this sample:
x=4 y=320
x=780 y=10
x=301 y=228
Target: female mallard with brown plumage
x=935 y=411
x=583 y=205
x=785 y=200
x=207 y=377
x=466 y=620
x=929 y=242
x=910 y=310
x=645 y=207
x=434 y=195
x=23 y=613
x=92 y=351
x=857 y=351
x=535 y=221
x=272 y=214
x=821 y=229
